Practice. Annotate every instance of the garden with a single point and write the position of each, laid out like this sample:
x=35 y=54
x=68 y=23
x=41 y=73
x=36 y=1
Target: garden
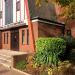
x=53 y=56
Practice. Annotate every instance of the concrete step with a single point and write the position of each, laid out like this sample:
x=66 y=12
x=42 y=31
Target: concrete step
x=4 y=59
x=5 y=62
x=8 y=58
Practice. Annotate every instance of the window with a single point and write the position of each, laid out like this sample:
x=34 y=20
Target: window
x=5 y=38
x=27 y=37
x=17 y=5
x=23 y=36
x=0 y=14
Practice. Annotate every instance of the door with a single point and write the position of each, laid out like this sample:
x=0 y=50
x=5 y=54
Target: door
x=15 y=39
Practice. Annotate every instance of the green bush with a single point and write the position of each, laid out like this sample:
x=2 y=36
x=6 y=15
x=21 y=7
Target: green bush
x=73 y=43
x=21 y=65
x=48 y=51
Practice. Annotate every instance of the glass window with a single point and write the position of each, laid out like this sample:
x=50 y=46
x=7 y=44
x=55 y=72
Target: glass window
x=23 y=36
x=17 y=5
x=5 y=38
x=27 y=37
x=0 y=14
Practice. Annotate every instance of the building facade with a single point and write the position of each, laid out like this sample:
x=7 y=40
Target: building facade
x=19 y=29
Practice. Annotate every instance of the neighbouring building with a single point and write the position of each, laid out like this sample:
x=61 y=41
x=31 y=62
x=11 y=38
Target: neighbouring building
x=15 y=31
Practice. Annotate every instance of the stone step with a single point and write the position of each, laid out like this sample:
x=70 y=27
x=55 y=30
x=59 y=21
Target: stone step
x=10 y=58
x=5 y=62
x=5 y=57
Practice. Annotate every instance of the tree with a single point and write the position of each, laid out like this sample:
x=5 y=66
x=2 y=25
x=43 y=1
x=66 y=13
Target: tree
x=67 y=5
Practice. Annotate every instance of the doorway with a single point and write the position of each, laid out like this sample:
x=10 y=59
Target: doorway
x=15 y=40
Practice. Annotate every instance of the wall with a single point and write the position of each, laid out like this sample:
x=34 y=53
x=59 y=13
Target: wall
x=23 y=47
x=0 y=40
x=48 y=30
x=6 y=46
x=71 y=26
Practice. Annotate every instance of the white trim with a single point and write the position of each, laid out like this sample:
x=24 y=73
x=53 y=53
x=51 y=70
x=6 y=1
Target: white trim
x=35 y=20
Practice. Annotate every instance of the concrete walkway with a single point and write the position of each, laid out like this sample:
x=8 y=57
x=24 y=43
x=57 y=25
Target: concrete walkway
x=7 y=71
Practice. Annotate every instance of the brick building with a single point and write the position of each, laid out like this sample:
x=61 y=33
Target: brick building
x=22 y=22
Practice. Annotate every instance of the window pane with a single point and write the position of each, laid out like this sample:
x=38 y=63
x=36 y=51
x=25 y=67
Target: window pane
x=27 y=37
x=18 y=6
x=0 y=14
x=4 y=38
x=0 y=5
x=7 y=38
x=23 y=36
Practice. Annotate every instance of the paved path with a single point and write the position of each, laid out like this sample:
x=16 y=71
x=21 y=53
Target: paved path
x=6 y=71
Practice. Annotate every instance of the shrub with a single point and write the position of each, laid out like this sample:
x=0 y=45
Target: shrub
x=21 y=65
x=69 y=42
x=48 y=51
x=73 y=43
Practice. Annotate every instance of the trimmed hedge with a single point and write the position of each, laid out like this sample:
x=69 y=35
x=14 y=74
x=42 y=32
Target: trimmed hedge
x=48 y=50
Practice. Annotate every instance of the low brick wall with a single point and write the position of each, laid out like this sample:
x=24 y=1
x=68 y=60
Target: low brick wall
x=18 y=58
x=0 y=40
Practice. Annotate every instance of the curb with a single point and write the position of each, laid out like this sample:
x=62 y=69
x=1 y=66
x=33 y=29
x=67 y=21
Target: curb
x=21 y=71
x=9 y=67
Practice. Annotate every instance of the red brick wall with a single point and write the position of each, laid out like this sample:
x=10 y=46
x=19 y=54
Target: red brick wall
x=6 y=46
x=0 y=39
x=35 y=29
x=71 y=26
x=47 y=30
x=23 y=47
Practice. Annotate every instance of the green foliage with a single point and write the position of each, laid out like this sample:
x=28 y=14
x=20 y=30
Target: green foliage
x=48 y=51
x=69 y=8
x=64 y=2
x=73 y=43
x=21 y=65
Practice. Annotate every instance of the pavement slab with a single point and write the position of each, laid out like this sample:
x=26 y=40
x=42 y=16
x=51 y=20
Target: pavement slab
x=9 y=71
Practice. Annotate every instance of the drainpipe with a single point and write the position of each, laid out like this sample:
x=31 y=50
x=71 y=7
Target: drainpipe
x=30 y=26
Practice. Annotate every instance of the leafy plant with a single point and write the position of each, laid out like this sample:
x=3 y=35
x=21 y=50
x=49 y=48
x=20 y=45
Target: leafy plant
x=21 y=65
x=48 y=51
